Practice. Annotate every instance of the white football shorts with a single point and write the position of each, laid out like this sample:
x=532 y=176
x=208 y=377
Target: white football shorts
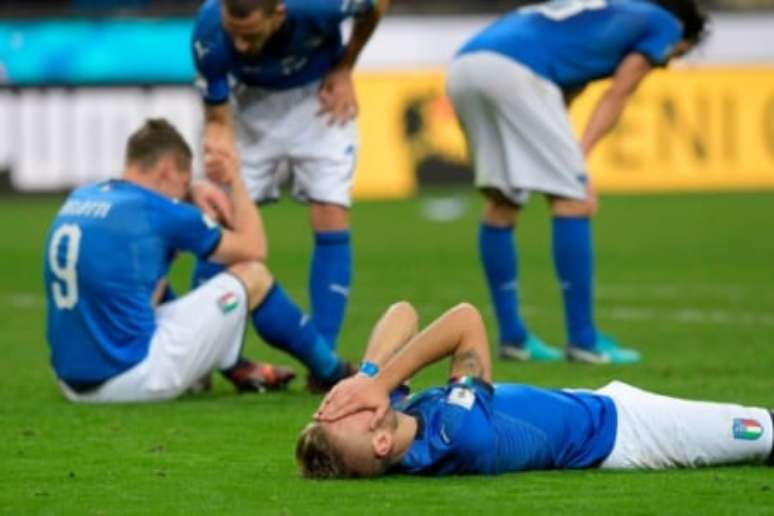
x=517 y=130
x=282 y=128
x=656 y=432
x=195 y=334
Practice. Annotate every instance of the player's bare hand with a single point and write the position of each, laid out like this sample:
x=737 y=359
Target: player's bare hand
x=220 y=163
x=354 y=395
x=213 y=201
x=338 y=100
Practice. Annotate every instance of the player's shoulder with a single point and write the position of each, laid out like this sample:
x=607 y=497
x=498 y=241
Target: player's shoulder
x=312 y=9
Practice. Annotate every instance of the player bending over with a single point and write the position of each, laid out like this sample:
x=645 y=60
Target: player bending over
x=473 y=427
x=116 y=333
x=510 y=85
x=276 y=80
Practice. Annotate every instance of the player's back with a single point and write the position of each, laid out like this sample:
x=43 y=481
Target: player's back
x=573 y=42
x=104 y=255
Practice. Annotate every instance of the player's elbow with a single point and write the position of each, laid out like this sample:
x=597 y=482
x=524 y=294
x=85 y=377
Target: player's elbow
x=467 y=314
x=406 y=312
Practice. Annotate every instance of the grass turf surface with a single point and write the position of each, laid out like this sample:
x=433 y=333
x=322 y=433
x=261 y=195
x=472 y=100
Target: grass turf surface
x=688 y=280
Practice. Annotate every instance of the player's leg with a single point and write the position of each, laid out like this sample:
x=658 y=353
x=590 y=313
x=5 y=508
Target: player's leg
x=477 y=110
x=284 y=326
x=323 y=160
x=330 y=272
x=656 y=431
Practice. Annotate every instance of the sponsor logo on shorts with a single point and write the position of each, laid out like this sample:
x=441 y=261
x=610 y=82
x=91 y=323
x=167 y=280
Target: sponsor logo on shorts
x=747 y=429
x=228 y=302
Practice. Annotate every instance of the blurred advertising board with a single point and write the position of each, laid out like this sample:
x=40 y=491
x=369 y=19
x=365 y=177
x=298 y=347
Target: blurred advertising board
x=685 y=129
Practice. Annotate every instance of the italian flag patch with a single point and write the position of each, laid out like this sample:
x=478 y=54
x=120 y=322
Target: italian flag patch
x=227 y=302
x=747 y=429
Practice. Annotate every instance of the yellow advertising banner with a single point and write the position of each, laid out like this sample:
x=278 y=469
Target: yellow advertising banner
x=684 y=129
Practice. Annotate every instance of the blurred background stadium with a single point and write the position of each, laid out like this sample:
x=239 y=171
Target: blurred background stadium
x=78 y=75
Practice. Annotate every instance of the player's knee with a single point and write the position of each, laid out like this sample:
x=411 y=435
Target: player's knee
x=328 y=217
x=498 y=211
x=571 y=208
x=256 y=278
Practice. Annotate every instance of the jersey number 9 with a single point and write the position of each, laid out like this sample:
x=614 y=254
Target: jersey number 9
x=64 y=289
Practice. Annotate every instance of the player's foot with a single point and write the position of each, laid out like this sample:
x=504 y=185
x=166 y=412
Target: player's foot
x=605 y=351
x=318 y=386
x=532 y=349
x=249 y=376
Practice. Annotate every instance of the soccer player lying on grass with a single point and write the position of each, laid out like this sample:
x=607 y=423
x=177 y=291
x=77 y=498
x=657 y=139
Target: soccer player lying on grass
x=114 y=330
x=473 y=427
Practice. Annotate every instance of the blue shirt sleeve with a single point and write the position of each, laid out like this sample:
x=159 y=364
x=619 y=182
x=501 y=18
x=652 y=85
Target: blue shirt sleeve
x=662 y=32
x=210 y=56
x=187 y=228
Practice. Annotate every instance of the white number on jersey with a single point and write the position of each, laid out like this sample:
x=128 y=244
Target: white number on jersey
x=559 y=10
x=65 y=288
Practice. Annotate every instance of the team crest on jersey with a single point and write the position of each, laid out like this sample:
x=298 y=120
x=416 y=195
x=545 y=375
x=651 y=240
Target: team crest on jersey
x=747 y=429
x=228 y=302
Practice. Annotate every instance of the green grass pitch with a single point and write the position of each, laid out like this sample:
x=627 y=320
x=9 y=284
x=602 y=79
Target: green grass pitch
x=687 y=279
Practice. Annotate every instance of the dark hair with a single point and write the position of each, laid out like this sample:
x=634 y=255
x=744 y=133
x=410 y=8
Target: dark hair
x=243 y=8
x=693 y=18
x=154 y=140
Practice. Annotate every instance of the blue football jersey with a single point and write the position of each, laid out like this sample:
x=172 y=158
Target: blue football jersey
x=303 y=50
x=105 y=252
x=471 y=427
x=573 y=42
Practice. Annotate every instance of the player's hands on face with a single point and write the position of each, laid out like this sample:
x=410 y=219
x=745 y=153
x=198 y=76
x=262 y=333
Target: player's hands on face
x=337 y=97
x=213 y=201
x=354 y=395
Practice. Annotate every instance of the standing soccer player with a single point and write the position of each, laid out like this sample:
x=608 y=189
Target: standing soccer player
x=510 y=86
x=288 y=77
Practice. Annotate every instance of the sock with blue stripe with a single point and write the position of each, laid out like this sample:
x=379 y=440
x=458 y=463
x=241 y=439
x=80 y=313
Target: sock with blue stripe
x=330 y=277
x=574 y=262
x=282 y=325
x=499 y=257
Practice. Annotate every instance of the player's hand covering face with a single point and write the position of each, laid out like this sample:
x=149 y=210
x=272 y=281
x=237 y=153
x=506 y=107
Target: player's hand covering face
x=355 y=394
x=337 y=96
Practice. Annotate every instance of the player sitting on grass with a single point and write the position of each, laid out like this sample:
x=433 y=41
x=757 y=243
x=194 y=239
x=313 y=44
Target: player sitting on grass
x=510 y=85
x=473 y=427
x=114 y=330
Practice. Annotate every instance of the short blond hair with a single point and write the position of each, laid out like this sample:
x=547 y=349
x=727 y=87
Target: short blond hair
x=316 y=456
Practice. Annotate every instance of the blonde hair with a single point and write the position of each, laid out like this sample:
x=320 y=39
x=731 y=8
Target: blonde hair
x=317 y=457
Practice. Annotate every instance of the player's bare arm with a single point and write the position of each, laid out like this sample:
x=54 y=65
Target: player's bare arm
x=218 y=138
x=609 y=108
x=394 y=329
x=338 y=99
x=247 y=240
x=458 y=333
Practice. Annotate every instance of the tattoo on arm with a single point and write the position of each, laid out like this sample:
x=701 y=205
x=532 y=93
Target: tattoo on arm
x=468 y=363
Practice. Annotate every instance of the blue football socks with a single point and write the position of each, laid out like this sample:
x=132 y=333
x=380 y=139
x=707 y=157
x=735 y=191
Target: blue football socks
x=204 y=271
x=573 y=259
x=282 y=324
x=329 y=281
x=500 y=260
